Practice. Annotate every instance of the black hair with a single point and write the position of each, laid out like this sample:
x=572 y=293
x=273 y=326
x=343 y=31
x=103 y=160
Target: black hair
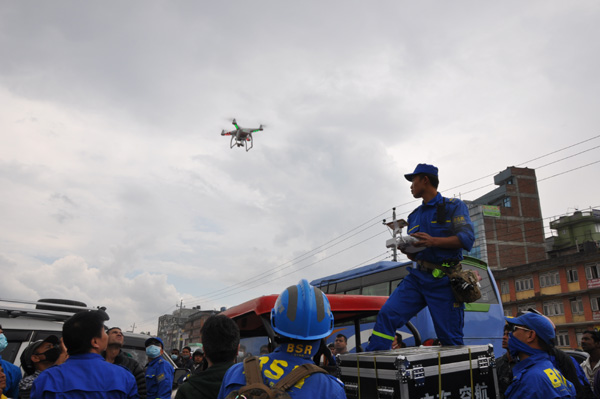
x=187 y=347
x=433 y=180
x=79 y=330
x=220 y=339
x=174 y=350
x=342 y=336
x=595 y=335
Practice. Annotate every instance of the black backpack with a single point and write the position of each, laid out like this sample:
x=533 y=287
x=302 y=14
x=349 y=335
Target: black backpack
x=256 y=389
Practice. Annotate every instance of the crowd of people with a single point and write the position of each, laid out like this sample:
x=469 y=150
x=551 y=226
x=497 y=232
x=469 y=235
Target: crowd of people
x=88 y=361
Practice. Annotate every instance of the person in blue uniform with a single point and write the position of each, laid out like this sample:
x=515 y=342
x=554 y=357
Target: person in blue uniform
x=302 y=316
x=534 y=376
x=159 y=373
x=85 y=374
x=443 y=229
x=12 y=372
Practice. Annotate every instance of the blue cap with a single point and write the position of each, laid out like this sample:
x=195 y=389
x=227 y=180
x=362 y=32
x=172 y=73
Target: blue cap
x=542 y=326
x=149 y=342
x=422 y=168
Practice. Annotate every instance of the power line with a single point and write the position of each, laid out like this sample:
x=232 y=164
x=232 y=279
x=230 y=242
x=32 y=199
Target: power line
x=325 y=246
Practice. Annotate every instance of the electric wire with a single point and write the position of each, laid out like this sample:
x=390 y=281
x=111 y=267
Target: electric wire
x=325 y=246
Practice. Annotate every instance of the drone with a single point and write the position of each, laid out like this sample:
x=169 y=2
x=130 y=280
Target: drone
x=241 y=135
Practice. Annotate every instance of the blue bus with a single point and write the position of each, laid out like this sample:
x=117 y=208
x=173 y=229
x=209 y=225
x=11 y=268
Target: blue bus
x=484 y=319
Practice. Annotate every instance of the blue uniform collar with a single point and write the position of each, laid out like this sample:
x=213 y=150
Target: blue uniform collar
x=530 y=361
x=435 y=200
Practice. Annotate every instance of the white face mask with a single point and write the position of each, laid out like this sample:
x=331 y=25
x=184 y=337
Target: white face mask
x=241 y=353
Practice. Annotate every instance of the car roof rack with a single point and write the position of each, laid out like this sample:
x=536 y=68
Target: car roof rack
x=48 y=309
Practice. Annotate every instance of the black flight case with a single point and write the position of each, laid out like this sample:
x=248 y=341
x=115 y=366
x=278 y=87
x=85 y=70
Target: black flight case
x=430 y=372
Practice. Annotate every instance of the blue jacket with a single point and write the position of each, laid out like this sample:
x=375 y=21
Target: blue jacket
x=13 y=377
x=86 y=376
x=456 y=222
x=159 y=379
x=281 y=362
x=536 y=377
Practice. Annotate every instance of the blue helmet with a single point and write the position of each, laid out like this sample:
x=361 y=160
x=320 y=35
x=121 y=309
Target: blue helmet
x=302 y=312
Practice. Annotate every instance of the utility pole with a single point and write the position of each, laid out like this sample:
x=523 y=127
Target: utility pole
x=395 y=249
x=179 y=324
x=133 y=327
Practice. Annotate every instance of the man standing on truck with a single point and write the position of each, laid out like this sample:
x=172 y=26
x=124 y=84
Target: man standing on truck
x=443 y=229
x=301 y=316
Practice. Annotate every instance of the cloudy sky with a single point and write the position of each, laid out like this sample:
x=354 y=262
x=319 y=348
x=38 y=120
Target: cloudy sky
x=118 y=190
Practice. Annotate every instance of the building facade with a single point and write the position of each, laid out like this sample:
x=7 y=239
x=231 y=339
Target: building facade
x=171 y=327
x=509 y=228
x=565 y=288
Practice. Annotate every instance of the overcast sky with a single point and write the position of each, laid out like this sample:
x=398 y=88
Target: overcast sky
x=118 y=190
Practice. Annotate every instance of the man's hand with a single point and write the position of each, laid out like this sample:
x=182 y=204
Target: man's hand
x=425 y=240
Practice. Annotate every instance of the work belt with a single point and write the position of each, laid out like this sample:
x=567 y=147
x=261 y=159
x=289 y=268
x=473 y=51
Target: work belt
x=430 y=267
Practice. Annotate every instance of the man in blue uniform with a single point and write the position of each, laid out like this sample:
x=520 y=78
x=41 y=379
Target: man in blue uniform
x=302 y=316
x=443 y=229
x=85 y=374
x=534 y=376
x=159 y=374
x=12 y=372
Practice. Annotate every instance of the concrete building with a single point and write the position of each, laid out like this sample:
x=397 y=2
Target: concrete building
x=565 y=287
x=170 y=327
x=509 y=228
x=194 y=324
x=574 y=232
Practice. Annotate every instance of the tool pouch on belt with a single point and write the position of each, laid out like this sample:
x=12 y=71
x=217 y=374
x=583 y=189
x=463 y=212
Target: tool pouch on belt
x=464 y=284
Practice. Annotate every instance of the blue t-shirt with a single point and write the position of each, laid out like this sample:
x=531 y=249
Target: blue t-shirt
x=456 y=222
x=536 y=377
x=86 y=376
x=159 y=379
x=280 y=363
x=13 y=377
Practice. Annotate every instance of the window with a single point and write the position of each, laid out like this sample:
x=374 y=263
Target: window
x=377 y=289
x=576 y=305
x=507 y=312
x=592 y=271
x=526 y=307
x=504 y=288
x=554 y=308
x=562 y=338
x=509 y=181
x=524 y=284
x=595 y=302
x=549 y=279
x=572 y=275
x=353 y=292
x=506 y=202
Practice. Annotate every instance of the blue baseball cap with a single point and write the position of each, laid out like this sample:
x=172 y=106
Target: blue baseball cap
x=542 y=326
x=422 y=168
x=153 y=340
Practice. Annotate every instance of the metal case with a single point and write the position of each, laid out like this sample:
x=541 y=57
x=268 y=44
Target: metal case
x=421 y=373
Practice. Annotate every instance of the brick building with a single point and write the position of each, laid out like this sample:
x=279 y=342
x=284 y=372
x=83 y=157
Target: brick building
x=559 y=276
x=508 y=222
x=564 y=288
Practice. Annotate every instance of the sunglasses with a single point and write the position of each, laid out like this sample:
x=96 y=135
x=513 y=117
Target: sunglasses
x=514 y=327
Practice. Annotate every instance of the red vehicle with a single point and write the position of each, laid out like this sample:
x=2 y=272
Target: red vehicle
x=254 y=318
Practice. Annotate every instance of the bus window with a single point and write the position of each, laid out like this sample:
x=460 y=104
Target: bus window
x=382 y=289
x=353 y=292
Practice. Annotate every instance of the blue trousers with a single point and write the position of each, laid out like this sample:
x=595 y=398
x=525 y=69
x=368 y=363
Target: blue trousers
x=417 y=290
